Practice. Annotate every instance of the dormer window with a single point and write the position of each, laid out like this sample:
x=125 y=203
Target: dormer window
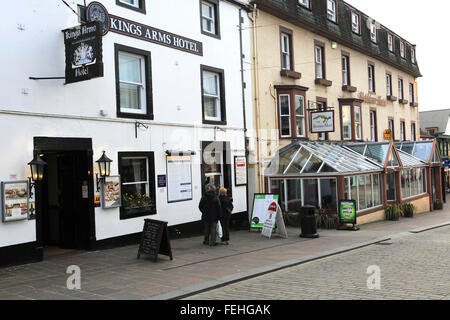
x=373 y=32
x=402 y=49
x=413 y=55
x=331 y=10
x=304 y=3
x=390 y=42
x=355 y=23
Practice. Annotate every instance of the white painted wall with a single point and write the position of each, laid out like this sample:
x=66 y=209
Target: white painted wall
x=55 y=110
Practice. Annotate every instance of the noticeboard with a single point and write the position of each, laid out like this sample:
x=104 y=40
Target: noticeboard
x=155 y=240
x=261 y=203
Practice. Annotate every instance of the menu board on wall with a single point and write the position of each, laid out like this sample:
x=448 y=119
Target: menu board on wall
x=240 y=171
x=179 y=178
x=111 y=192
x=14 y=201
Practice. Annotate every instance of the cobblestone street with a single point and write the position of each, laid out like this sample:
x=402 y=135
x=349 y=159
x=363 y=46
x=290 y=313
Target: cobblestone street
x=413 y=266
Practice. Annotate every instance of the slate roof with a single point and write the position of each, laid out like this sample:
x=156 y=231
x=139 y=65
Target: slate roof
x=315 y=20
x=435 y=119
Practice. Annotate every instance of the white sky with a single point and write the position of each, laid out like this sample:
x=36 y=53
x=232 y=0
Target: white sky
x=426 y=24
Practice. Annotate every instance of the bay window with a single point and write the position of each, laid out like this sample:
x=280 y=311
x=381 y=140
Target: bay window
x=292 y=115
x=300 y=116
x=285 y=115
x=358 y=128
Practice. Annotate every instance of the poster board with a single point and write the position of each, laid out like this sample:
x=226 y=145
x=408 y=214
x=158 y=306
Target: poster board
x=347 y=215
x=274 y=223
x=261 y=203
x=155 y=240
x=15 y=200
x=179 y=178
x=111 y=195
x=240 y=171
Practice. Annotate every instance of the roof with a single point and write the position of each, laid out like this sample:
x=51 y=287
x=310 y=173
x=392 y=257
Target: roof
x=426 y=151
x=435 y=119
x=315 y=20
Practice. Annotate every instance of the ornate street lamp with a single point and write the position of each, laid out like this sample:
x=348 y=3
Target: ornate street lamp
x=37 y=171
x=104 y=167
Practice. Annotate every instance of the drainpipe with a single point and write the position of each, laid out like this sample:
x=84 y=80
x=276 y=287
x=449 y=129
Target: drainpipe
x=253 y=17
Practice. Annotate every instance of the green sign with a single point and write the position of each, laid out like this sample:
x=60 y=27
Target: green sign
x=261 y=204
x=347 y=211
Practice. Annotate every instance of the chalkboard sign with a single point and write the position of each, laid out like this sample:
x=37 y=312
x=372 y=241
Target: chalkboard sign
x=155 y=240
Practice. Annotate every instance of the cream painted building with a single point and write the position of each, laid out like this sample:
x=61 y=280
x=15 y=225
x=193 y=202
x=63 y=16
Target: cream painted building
x=311 y=55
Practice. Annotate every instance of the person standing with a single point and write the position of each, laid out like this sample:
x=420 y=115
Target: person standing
x=226 y=204
x=210 y=208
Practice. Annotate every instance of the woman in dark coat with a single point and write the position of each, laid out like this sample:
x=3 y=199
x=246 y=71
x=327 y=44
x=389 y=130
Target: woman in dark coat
x=210 y=208
x=226 y=204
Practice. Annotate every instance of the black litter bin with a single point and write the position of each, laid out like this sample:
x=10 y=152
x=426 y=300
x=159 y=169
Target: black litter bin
x=308 y=222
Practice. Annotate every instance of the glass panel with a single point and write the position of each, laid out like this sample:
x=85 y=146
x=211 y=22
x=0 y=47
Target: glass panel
x=424 y=180
x=210 y=105
x=300 y=114
x=285 y=159
x=436 y=156
x=130 y=96
x=285 y=126
x=130 y=68
x=134 y=170
x=346 y=122
x=362 y=192
x=353 y=188
x=408 y=183
x=423 y=151
x=294 y=195
x=284 y=105
x=390 y=186
x=369 y=202
x=134 y=195
x=328 y=193
x=403 y=183
x=210 y=84
x=357 y=123
x=299 y=162
x=393 y=160
x=313 y=165
x=376 y=190
x=326 y=168
x=311 y=192
x=346 y=186
x=377 y=152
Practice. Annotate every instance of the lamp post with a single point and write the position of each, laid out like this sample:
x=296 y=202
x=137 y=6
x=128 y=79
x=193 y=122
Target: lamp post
x=104 y=166
x=37 y=171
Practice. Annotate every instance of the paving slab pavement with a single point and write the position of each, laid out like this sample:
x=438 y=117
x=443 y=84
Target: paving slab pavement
x=117 y=274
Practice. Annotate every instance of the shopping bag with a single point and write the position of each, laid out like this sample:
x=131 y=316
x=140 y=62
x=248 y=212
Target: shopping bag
x=219 y=230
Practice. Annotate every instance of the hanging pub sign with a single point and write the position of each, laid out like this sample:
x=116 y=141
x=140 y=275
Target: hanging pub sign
x=322 y=121
x=84 y=57
x=95 y=11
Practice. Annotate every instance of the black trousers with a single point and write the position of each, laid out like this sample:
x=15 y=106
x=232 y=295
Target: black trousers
x=210 y=232
x=225 y=222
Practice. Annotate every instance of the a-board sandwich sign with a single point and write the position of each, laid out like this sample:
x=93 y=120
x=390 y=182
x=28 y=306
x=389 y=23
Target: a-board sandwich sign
x=347 y=215
x=261 y=203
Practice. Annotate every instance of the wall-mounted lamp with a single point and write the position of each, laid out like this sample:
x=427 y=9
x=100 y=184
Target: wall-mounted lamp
x=333 y=44
x=37 y=171
x=104 y=166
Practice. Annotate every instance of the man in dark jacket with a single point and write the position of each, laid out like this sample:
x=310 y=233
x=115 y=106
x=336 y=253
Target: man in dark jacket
x=210 y=208
x=226 y=204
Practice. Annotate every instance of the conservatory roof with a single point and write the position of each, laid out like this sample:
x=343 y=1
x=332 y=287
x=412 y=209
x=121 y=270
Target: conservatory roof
x=383 y=153
x=423 y=150
x=319 y=158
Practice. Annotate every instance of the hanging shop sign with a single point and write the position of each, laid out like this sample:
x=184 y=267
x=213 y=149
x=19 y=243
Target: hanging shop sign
x=110 y=23
x=14 y=200
x=240 y=171
x=387 y=134
x=84 y=57
x=179 y=178
x=322 y=121
x=261 y=204
x=111 y=192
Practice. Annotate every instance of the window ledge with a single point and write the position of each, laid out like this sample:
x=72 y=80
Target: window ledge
x=323 y=82
x=392 y=98
x=403 y=101
x=349 y=88
x=414 y=104
x=291 y=74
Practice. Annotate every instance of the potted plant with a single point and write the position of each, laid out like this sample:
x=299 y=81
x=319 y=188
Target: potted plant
x=292 y=218
x=437 y=204
x=326 y=219
x=137 y=203
x=393 y=212
x=408 y=210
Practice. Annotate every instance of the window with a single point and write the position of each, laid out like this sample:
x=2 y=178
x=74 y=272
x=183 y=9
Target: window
x=400 y=89
x=304 y=3
x=391 y=127
x=137 y=172
x=133 y=83
x=358 y=129
x=319 y=62
x=331 y=10
x=390 y=42
x=365 y=190
x=285 y=51
x=300 y=115
x=413 y=182
x=373 y=125
x=322 y=105
x=413 y=131
x=371 y=70
x=402 y=49
x=413 y=55
x=346 y=123
x=402 y=131
x=390 y=186
x=388 y=85
x=345 y=70
x=373 y=32
x=213 y=95
x=210 y=17
x=411 y=93
x=285 y=115
x=355 y=23
x=137 y=5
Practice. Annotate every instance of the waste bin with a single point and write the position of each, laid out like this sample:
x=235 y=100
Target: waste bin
x=308 y=222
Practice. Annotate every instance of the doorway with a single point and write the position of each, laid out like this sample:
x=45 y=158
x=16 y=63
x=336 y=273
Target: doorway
x=64 y=198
